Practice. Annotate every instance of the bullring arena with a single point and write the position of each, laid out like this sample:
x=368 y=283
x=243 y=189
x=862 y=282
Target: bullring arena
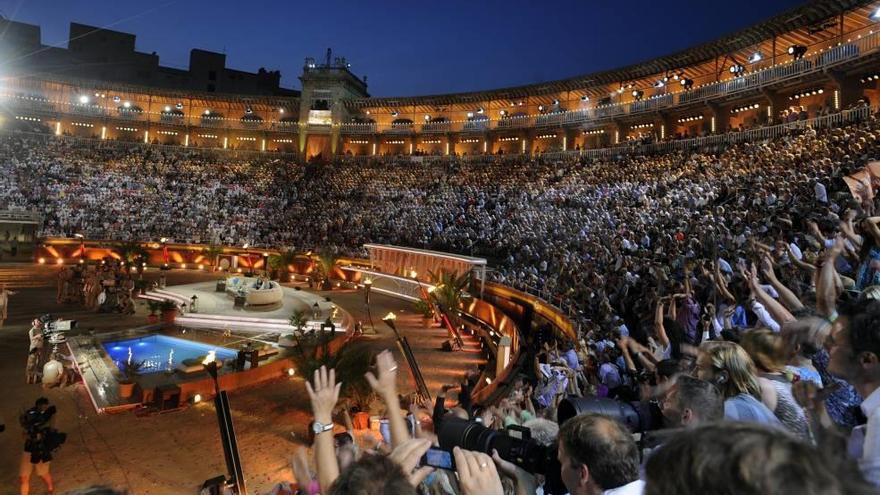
x=182 y=250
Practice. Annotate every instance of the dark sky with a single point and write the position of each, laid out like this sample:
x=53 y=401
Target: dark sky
x=410 y=47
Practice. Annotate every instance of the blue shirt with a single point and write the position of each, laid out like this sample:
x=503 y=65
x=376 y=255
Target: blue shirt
x=744 y=407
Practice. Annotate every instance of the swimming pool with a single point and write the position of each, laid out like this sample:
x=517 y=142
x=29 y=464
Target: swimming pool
x=160 y=352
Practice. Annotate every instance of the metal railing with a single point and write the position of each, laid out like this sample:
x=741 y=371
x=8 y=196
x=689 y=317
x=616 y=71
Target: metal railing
x=13 y=215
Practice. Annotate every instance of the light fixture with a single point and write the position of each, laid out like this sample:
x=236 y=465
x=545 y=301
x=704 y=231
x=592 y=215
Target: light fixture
x=660 y=83
x=394 y=113
x=470 y=115
x=737 y=70
x=179 y=106
x=116 y=99
x=756 y=57
x=797 y=51
x=687 y=83
x=876 y=15
x=637 y=94
x=555 y=102
x=540 y=108
x=197 y=398
x=503 y=113
x=248 y=110
x=167 y=108
x=427 y=117
x=83 y=99
x=480 y=110
x=127 y=104
x=291 y=371
x=280 y=110
x=207 y=112
x=585 y=98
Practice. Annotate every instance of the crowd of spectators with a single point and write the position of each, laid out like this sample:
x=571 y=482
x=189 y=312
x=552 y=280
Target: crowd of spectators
x=727 y=299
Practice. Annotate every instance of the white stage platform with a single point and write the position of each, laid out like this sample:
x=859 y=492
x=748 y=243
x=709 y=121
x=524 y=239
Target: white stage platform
x=216 y=310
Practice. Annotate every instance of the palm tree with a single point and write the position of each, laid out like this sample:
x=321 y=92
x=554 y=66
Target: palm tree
x=326 y=264
x=448 y=296
x=298 y=321
x=213 y=252
x=133 y=253
x=281 y=261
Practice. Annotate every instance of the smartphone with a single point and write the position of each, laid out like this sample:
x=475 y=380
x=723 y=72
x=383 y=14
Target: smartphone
x=439 y=459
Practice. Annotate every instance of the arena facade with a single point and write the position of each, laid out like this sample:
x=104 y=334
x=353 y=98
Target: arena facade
x=818 y=57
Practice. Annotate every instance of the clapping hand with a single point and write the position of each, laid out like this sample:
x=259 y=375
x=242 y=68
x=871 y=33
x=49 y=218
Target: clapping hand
x=324 y=394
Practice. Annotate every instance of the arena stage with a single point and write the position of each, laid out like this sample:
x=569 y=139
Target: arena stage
x=217 y=310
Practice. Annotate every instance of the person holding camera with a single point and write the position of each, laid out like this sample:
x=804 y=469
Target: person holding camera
x=40 y=441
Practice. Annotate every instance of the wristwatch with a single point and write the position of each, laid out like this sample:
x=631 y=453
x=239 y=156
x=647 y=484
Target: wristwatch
x=318 y=427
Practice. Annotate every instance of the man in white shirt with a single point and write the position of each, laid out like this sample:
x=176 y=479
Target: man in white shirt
x=855 y=357
x=598 y=456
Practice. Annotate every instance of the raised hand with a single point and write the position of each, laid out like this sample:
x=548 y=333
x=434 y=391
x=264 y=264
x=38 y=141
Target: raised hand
x=407 y=455
x=324 y=394
x=477 y=474
x=386 y=383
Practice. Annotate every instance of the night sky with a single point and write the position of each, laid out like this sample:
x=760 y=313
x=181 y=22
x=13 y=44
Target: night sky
x=414 y=47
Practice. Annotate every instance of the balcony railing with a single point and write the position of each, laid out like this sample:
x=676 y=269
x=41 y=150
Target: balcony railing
x=865 y=43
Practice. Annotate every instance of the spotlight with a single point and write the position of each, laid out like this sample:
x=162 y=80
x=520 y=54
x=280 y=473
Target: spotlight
x=555 y=102
x=660 y=83
x=41 y=261
x=480 y=110
x=687 y=83
x=291 y=371
x=756 y=57
x=503 y=113
x=116 y=99
x=127 y=104
x=197 y=398
x=427 y=117
x=207 y=112
x=179 y=106
x=737 y=70
x=637 y=94
x=280 y=110
x=540 y=108
x=248 y=110
x=167 y=108
x=59 y=261
x=797 y=51
x=394 y=114
x=876 y=15
x=585 y=98
x=676 y=77
x=83 y=99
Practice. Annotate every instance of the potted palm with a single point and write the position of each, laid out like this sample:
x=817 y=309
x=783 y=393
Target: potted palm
x=153 y=306
x=326 y=265
x=298 y=321
x=212 y=253
x=130 y=370
x=423 y=308
x=169 y=311
x=280 y=263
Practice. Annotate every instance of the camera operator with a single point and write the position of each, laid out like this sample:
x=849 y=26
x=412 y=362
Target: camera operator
x=40 y=441
x=598 y=456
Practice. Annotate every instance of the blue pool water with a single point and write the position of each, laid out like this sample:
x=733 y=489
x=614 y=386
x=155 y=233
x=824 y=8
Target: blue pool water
x=161 y=353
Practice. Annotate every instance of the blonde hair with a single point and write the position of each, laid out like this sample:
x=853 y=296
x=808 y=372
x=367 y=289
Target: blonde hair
x=733 y=360
x=765 y=348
